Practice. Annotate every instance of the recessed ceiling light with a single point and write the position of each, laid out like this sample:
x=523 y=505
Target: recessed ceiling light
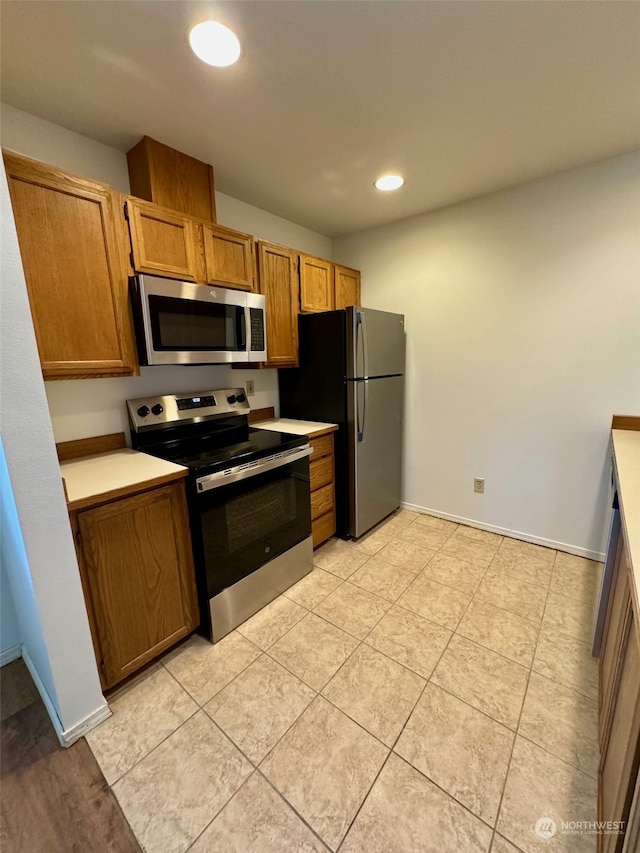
x=389 y=182
x=214 y=43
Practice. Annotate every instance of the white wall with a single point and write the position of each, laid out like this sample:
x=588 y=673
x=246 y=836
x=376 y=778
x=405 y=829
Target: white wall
x=523 y=338
x=38 y=552
x=83 y=408
x=10 y=637
x=86 y=407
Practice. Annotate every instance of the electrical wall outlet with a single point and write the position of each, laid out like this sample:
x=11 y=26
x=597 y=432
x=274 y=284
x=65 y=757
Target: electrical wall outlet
x=478 y=485
x=251 y=387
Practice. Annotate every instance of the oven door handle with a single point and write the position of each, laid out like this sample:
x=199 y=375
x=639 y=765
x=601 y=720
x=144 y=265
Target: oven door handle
x=251 y=469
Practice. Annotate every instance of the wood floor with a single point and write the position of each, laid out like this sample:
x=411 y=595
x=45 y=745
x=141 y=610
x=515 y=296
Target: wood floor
x=52 y=800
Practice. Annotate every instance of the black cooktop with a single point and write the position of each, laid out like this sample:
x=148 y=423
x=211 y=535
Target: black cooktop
x=206 y=453
x=259 y=443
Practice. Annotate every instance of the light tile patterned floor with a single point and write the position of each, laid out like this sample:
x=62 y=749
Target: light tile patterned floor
x=429 y=688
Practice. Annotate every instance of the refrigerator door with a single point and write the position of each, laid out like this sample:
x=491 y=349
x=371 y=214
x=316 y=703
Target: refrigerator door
x=375 y=411
x=375 y=343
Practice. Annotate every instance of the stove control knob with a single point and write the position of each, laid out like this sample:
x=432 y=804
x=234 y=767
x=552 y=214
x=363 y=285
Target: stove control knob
x=157 y=409
x=241 y=398
x=143 y=411
x=232 y=399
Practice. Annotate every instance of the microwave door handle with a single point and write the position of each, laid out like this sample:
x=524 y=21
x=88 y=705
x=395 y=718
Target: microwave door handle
x=242 y=330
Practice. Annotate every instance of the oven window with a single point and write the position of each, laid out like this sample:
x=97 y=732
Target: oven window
x=180 y=324
x=251 y=516
x=246 y=524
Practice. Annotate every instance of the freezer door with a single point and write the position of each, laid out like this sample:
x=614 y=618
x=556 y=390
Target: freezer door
x=375 y=450
x=375 y=343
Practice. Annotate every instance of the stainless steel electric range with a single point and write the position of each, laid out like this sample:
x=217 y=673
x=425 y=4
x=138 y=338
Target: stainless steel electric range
x=248 y=498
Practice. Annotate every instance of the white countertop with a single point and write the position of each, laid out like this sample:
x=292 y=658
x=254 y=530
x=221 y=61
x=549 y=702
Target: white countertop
x=295 y=427
x=626 y=450
x=117 y=471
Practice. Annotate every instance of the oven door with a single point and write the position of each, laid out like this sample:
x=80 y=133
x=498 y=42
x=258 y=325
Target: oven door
x=251 y=514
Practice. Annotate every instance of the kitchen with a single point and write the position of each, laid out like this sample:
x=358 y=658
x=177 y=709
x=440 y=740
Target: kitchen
x=537 y=369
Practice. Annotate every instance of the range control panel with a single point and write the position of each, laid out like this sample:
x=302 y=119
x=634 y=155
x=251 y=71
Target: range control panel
x=154 y=412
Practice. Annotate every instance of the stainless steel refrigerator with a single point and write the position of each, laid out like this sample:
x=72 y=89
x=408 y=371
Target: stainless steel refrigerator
x=351 y=373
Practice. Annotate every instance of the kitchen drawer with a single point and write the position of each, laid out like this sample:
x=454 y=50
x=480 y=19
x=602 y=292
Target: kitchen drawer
x=323 y=528
x=321 y=472
x=322 y=501
x=322 y=446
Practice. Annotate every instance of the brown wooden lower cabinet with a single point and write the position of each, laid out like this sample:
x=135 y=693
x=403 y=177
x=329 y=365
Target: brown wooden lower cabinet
x=619 y=712
x=323 y=511
x=137 y=574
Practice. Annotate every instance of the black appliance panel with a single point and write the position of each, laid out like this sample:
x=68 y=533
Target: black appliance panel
x=317 y=390
x=180 y=325
x=242 y=525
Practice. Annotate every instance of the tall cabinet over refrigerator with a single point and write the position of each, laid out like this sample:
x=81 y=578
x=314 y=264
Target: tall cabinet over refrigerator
x=352 y=365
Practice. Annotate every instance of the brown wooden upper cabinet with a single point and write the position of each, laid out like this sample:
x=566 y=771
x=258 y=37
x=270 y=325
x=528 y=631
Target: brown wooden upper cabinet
x=164 y=242
x=229 y=257
x=316 y=284
x=347 y=286
x=71 y=249
x=171 y=179
x=174 y=245
x=278 y=282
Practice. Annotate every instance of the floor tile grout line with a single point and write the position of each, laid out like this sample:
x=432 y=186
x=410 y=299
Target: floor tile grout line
x=428 y=680
x=488 y=649
x=155 y=746
x=444 y=791
x=360 y=726
x=364 y=800
x=284 y=665
x=524 y=698
x=291 y=806
x=567 y=687
x=219 y=812
x=277 y=598
x=264 y=757
x=231 y=680
x=559 y=757
x=310 y=609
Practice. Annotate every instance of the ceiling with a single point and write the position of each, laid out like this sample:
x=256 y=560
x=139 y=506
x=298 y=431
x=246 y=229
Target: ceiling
x=462 y=98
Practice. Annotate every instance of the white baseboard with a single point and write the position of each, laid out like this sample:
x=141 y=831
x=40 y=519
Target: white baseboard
x=514 y=534
x=80 y=729
x=65 y=736
x=10 y=654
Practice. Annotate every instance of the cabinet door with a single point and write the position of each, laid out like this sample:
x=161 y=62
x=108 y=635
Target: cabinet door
x=171 y=179
x=228 y=257
x=164 y=242
x=316 y=284
x=278 y=282
x=74 y=270
x=347 y=286
x=139 y=572
x=620 y=711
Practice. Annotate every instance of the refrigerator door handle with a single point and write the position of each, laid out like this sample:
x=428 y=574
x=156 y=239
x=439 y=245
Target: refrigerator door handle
x=360 y=428
x=361 y=366
x=365 y=349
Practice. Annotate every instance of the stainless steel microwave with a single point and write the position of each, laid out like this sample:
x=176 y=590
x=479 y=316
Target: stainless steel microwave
x=178 y=322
